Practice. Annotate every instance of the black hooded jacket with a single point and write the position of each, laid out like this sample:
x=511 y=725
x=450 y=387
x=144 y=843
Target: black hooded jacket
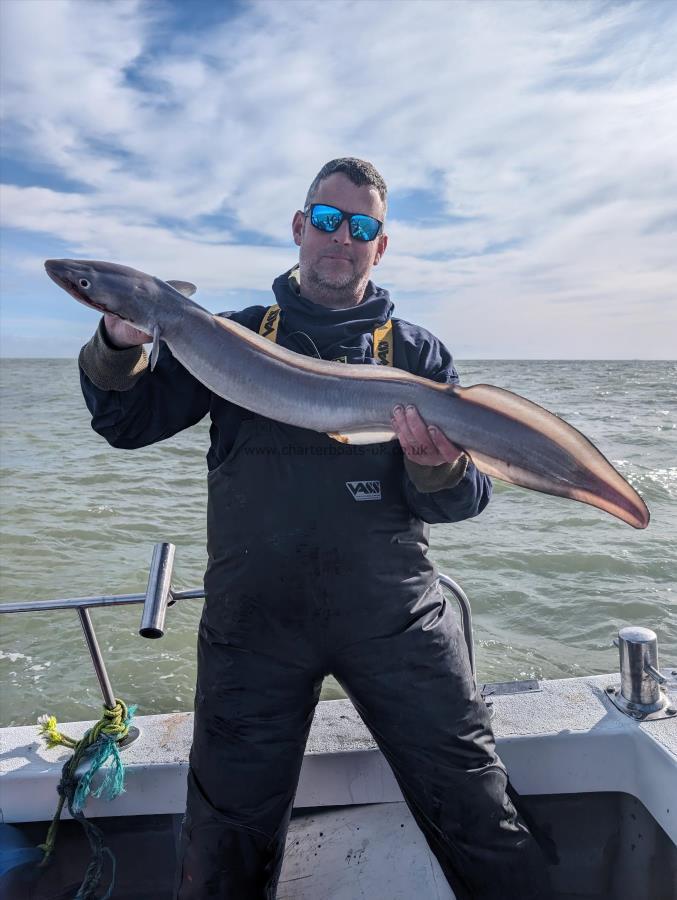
x=132 y=407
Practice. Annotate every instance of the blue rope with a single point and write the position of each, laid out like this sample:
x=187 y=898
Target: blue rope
x=96 y=748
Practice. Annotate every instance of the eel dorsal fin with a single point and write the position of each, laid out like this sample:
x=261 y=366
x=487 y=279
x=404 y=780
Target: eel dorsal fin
x=183 y=287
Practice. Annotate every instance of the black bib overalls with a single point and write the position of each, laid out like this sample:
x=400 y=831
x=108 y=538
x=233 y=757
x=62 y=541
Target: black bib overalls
x=316 y=565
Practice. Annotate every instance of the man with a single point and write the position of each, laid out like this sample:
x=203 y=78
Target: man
x=317 y=564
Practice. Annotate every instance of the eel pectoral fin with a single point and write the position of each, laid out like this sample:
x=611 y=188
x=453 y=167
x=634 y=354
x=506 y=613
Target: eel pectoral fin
x=536 y=449
x=155 y=349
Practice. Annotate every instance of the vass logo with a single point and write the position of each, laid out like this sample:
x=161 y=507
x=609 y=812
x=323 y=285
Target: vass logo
x=271 y=318
x=382 y=352
x=364 y=490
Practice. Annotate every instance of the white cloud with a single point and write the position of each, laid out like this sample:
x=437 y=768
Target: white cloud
x=550 y=127
x=213 y=260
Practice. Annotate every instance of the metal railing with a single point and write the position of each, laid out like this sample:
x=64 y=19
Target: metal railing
x=466 y=616
x=158 y=596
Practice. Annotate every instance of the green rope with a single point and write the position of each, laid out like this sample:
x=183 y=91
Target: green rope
x=96 y=747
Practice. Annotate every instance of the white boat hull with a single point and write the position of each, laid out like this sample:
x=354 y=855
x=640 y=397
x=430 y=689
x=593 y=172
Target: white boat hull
x=352 y=835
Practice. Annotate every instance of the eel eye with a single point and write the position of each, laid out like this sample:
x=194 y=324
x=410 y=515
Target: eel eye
x=84 y=283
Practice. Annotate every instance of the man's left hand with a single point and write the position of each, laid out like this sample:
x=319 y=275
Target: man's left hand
x=425 y=445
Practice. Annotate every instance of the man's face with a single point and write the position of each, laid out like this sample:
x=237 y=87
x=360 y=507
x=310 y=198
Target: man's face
x=336 y=266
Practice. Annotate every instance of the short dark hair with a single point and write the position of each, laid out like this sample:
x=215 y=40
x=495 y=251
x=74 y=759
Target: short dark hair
x=359 y=171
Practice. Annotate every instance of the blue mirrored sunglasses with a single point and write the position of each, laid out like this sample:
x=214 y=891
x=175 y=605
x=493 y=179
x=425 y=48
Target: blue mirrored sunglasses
x=329 y=218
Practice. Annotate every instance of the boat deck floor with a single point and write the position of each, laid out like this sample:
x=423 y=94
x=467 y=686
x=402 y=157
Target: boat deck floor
x=609 y=846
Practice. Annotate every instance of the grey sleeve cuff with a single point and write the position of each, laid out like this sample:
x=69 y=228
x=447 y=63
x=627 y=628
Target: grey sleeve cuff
x=430 y=479
x=107 y=367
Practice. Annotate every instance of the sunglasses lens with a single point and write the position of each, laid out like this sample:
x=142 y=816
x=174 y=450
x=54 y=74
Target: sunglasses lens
x=364 y=228
x=329 y=218
x=326 y=218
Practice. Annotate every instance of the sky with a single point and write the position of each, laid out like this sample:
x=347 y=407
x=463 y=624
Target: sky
x=530 y=150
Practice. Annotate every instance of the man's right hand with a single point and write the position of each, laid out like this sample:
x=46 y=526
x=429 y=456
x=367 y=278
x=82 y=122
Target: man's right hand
x=122 y=335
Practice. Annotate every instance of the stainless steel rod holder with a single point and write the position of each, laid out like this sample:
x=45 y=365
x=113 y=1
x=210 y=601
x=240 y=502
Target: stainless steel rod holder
x=158 y=592
x=466 y=616
x=97 y=658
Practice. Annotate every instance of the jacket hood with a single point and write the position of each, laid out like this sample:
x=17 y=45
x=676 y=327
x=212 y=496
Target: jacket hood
x=336 y=333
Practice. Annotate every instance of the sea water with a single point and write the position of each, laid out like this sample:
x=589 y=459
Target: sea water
x=550 y=581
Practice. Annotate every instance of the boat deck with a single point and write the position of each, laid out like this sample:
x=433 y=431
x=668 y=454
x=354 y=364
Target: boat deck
x=605 y=784
x=538 y=735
